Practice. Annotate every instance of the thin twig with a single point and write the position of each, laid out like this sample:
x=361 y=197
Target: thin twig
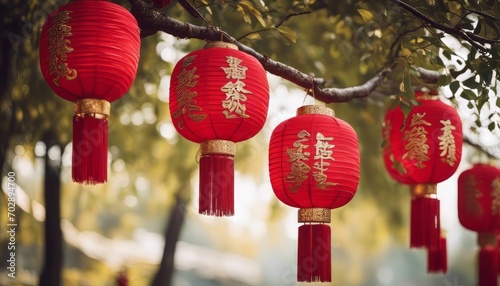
x=475 y=40
x=275 y=27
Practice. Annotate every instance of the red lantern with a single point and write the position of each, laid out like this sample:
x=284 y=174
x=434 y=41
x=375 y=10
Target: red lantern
x=89 y=52
x=421 y=151
x=218 y=96
x=479 y=210
x=314 y=166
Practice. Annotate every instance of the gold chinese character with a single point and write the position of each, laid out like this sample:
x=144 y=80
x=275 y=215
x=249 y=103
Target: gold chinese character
x=297 y=156
x=495 y=197
x=472 y=197
x=447 y=143
x=323 y=152
x=235 y=71
x=186 y=103
x=235 y=91
x=59 y=48
x=235 y=94
x=416 y=148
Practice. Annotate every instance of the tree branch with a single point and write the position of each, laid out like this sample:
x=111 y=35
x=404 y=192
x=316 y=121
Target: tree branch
x=151 y=21
x=473 y=39
x=274 y=27
x=491 y=152
x=428 y=76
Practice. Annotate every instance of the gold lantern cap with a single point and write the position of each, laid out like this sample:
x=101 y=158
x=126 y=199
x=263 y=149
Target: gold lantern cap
x=315 y=109
x=220 y=44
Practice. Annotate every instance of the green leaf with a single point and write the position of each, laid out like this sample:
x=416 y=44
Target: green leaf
x=468 y=94
x=454 y=86
x=287 y=34
x=443 y=80
x=470 y=105
x=366 y=15
x=491 y=126
x=405 y=107
x=447 y=54
x=250 y=7
x=408 y=91
x=471 y=83
x=486 y=76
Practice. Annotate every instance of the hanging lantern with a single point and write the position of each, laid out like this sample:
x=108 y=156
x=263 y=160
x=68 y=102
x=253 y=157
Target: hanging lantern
x=421 y=151
x=89 y=52
x=479 y=210
x=314 y=166
x=218 y=96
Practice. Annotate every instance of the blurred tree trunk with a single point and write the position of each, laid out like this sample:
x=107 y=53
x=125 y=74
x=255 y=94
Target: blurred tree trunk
x=165 y=272
x=53 y=252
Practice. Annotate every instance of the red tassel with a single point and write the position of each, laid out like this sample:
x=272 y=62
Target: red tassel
x=424 y=223
x=90 y=149
x=498 y=252
x=216 y=185
x=437 y=261
x=488 y=266
x=314 y=263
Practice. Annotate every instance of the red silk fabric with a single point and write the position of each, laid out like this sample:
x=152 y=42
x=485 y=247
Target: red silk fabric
x=96 y=40
x=199 y=90
x=341 y=172
x=479 y=198
x=427 y=148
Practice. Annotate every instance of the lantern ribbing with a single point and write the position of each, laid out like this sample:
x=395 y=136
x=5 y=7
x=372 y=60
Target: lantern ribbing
x=479 y=210
x=89 y=53
x=314 y=166
x=422 y=150
x=218 y=96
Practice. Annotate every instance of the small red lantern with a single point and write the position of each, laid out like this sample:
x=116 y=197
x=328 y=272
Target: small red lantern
x=218 y=96
x=479 y=210
x=421 y=151
x=314 y=166
x=89 y=52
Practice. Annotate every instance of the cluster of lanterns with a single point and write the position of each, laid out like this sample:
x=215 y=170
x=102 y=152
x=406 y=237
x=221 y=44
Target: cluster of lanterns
x=89 y=52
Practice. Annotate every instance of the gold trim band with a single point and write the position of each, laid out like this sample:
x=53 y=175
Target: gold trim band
x=315 y=215
x=315 y=109
x=423 y=190
x=220 y=44
x=487 y=239
x=218 y=147
x=93 y=106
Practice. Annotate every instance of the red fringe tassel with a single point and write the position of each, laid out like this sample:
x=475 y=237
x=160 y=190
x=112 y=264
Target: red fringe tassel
x=314 y=263
x=437 y=261
x=216 y=185
x=424 y=223
x=488 y=266
x=90 y=150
